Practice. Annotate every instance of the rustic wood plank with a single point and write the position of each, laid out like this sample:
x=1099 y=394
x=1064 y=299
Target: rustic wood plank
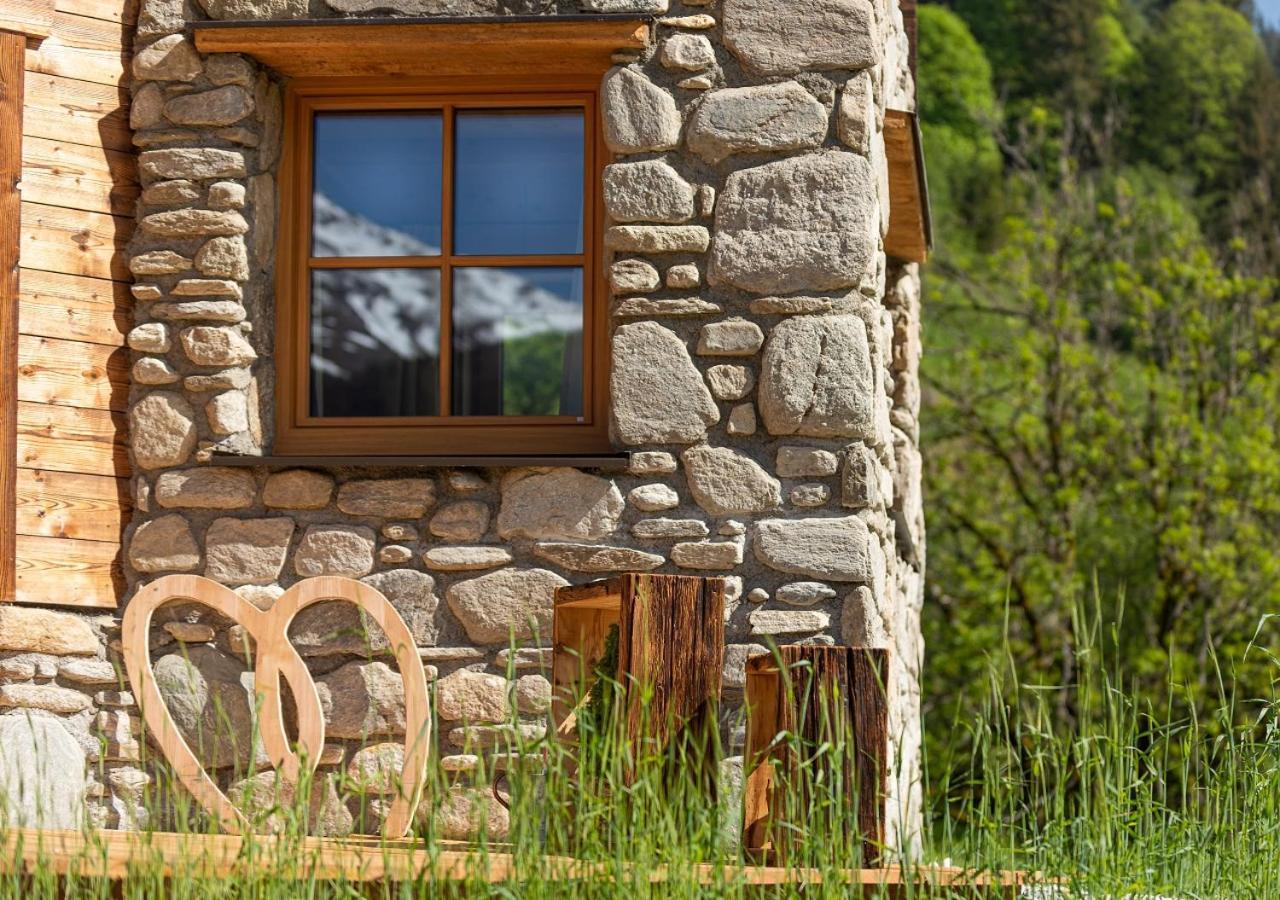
x=68 y=572
x=516 y=47
x=115 y=855
x=12 y=47
x=125 y=11
x=908 y=236
x=815 y=696
x=80 y=112
x=68 y=439
x=56 y=173
x=71 y=307
x=62 y=504
x=30 y=18
x=84 y=49
x=70 y=373
x=75 y=242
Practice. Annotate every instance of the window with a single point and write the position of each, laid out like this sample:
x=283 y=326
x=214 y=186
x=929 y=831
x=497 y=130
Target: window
x=438 y=277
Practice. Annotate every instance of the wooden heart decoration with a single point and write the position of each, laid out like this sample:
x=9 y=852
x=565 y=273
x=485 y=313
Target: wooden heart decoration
x=276 y=658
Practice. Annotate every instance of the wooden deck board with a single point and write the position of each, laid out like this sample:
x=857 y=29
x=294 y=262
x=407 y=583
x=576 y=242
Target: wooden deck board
x=110 y=855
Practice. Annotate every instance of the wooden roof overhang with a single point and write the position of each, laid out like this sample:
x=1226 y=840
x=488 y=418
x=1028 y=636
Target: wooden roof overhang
x=910 y=234
x=475 y=45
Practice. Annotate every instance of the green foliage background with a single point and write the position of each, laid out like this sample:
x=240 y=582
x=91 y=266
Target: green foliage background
x=1102 y=328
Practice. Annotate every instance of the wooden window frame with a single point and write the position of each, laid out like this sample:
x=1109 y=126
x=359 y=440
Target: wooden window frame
x=297 y=433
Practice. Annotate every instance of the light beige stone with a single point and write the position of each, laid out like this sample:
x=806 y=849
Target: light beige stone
x=377 y=768
x=362 y=699
x=802 y=223
x=632 y=276
x=742 y=420
x=230 y=68
x=48 y=697
x=220 y=106
x=264 y=798
x=805 y=593
x=788 y=621
x=473 y=697
x=210 y=697
x=652 y=462
x=817 y=378
x=227 y=413
x=194 y=223
x=210 y=345
x=785 y=39
x=256 y=9
x=860 y=480
x=209 y=487
x=26 y=629
x=766 y=118
x=690 y=52
x=394 y=554
x=159 y=262
x=178 y=192
x=464 y=814
x=164 y=545
x=856 y=114
x=532 y=694
x=247 y=551
x=162 y=430
x=464 y=521
x=335 y=550
x=560 y=503
x=730 y=382
x=171 y=58
x=801 y=462
x=726 y=483
x=189 y=632
x=226 y=195
x=92 y=672
x=153 y=371
x=648 y=191
x=200 y=310
x=828 y=549
x=669 y=529
x=653 y=497
x=298 y=489
x=650 y=362
x=732 y=337
x=639 y=116
x=636 y=307
x=153 y=337
x=653 y=238
x=596 y=557
x=224 y=257
x=510 y=603
x=193 y=164
x=712 y=555
x=388 y=498
x=810 y=495
x=42 y=773
x=465 y=559
x=683 y=276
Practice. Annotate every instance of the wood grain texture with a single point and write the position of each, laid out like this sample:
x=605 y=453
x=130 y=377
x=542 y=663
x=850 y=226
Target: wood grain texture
x=125 y=11
x=799 y=699
x=75 y=242
x=70 y=373
x=908 y=236
x=515 y=48
x=12 y=47
x=80 y=112
x=73 y=308
x=57 y=173
x=276 y=660
x=68 y=505
x=115 y=855
x=670 y=653
x=29 y=18
x=67 y=439
x=67 y=572
x=82 y=48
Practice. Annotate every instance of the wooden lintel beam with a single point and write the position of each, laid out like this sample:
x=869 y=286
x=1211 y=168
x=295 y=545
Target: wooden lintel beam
x=910 y=231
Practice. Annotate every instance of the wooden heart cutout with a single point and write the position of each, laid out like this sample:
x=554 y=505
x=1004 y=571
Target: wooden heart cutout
x=276 y=658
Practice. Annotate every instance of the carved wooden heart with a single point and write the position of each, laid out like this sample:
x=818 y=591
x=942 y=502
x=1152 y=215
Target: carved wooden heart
x=276 y=658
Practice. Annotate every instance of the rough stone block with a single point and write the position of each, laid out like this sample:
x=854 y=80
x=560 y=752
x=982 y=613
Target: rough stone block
x=651 y=362
x=767 y=118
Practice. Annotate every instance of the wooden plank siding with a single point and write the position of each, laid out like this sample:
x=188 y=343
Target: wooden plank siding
x=67 y=366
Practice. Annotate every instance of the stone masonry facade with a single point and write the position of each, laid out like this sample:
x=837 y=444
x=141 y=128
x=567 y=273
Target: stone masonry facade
x=764 y=380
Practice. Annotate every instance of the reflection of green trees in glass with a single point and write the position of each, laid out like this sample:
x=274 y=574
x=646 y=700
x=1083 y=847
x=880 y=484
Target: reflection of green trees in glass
x=533 y=374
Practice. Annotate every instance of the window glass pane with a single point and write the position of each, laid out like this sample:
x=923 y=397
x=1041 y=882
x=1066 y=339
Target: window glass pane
x=517 y=342
x=377 y=184
x=518 y=182
x=375 y=337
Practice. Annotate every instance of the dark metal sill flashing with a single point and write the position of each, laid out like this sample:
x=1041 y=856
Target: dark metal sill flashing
x=609 y=462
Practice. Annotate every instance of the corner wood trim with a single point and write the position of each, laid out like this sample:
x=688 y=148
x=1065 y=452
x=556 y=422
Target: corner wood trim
x=30 y=18
x=13 y=48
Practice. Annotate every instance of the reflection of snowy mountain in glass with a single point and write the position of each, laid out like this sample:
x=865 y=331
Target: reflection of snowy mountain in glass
x=375 y=332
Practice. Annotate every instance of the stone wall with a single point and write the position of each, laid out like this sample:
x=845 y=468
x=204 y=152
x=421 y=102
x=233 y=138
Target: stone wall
x=764 y=377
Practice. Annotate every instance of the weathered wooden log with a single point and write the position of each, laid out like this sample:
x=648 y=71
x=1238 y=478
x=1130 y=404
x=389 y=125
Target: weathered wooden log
x=817 y=721
x=670 y=653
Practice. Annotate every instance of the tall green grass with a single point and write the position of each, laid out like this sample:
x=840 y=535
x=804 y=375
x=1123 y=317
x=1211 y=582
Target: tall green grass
x=1132 y=797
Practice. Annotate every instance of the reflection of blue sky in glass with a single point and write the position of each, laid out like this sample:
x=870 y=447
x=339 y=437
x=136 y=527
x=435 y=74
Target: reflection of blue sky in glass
x=518 y=182
x=384 y=168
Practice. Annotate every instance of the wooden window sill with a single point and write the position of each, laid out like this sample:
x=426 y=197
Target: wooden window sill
x=510 y=45
x=608 y=462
